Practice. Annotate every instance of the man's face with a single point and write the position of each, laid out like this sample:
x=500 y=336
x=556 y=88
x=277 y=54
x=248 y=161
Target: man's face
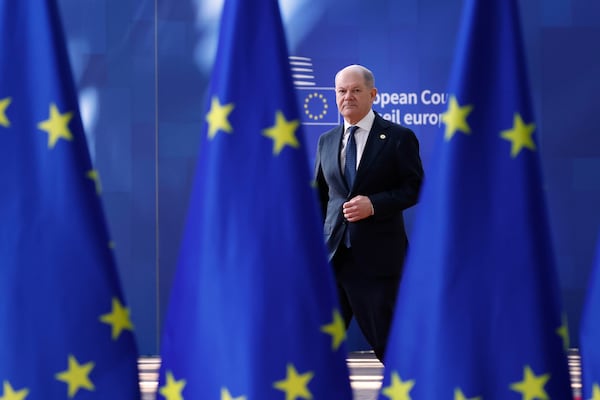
x=354 y=99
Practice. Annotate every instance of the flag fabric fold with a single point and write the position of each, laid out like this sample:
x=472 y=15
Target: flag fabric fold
x=590 y=334
x=66 y=332
x=253 y=312
x=478 y=313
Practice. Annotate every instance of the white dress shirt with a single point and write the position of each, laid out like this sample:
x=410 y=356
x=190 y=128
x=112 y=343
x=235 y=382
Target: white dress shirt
x=360 y=137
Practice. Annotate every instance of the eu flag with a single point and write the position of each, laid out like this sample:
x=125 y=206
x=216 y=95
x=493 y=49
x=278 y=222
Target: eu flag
x=590 y=335
x=253 y=312
x=318 y=106
x=478 y=312
x=66 y=332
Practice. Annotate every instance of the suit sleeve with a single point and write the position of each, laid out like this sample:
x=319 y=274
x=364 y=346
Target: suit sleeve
x=410 y=171
x=320 y=182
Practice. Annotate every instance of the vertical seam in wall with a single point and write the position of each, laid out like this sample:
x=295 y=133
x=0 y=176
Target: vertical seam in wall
x=156 y=180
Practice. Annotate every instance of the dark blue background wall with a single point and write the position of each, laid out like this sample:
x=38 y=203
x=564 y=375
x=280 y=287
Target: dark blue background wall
x=142 y=66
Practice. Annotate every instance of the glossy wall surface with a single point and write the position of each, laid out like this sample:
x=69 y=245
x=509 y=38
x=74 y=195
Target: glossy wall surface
x=141 y=67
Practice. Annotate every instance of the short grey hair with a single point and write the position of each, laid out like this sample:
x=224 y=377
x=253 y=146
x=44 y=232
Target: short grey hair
x=366 y=73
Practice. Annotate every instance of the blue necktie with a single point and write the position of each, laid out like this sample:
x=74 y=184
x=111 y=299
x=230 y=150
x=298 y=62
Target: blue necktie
x=350 y=172
x=350 y=167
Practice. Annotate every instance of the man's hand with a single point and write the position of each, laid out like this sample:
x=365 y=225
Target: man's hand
x=358 y=208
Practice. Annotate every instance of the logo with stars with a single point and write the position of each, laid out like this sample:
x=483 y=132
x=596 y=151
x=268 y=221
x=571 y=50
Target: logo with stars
x=318 y=106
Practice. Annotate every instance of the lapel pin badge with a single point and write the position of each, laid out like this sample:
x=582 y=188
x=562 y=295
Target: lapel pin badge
x=382 y=136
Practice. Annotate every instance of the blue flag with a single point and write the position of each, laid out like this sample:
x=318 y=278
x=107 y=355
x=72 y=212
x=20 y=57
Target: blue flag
x=590 y=335
x=478 y=313
x=253 y=312
x=65 y=330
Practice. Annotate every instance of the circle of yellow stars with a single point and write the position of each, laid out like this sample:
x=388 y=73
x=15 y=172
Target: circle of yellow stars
x=294 y=385
x=76 y=376
x=531 y=387
x=319 y=98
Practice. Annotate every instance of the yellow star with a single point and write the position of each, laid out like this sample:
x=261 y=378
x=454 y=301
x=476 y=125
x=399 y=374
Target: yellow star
x=76 y=376
x=118 y=318
x=563 y=332
x=283 y=133
x=57 y=126
x=4 y=103
x=595 y=392
x=172 y=389
x=217 y=117
x=398 y=389
x=520 y=136
x=459 y=395
x=295 y=385
x=225 y=395
x=10 y=394
x=455 y=118
x=337 y=330
x=93 y=175
x=532 y=386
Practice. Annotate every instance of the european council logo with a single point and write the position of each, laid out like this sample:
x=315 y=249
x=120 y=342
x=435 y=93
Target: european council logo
x=317 y=103
x=318 y=106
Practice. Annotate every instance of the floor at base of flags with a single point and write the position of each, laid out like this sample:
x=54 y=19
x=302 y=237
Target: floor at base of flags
x=366 y=373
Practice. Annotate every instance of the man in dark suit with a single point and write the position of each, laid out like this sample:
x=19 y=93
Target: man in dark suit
x=368 y=171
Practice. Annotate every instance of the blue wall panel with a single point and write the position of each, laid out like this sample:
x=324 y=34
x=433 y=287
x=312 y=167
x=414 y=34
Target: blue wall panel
x=142 y=69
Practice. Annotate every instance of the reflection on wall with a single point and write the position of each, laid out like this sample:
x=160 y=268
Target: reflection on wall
x=142 y=68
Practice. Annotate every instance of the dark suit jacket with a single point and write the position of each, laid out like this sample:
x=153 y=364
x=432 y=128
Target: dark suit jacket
x=390 y=174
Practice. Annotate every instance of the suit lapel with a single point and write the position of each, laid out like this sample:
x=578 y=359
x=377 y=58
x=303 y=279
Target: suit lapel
x=334 y=145
x=378 y=137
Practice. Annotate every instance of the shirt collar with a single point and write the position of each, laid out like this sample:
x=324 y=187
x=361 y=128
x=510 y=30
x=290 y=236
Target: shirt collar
x=365 y=124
